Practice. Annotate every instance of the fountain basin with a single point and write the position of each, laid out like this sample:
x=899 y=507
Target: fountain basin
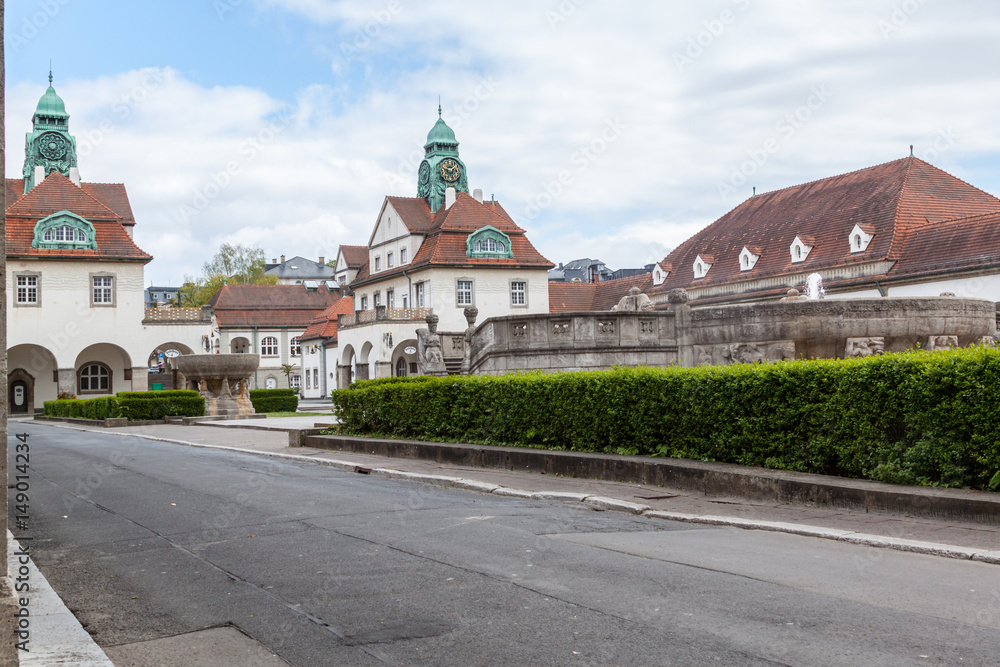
x=223 y=379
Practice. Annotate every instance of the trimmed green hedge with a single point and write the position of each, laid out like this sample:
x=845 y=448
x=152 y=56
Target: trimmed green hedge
x=105 y=407
x=913 y=418
x=134 y=406
x=153 y=405
x=274 y=400
x=365 y=384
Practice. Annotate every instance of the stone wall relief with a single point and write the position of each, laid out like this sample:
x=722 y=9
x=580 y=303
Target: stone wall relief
x=606 y=327
x=864 y=347
x=941 y=343
x=743 y=353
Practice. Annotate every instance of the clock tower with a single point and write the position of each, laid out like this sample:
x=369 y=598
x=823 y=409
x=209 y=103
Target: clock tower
x=441 y=168
x=49 y=146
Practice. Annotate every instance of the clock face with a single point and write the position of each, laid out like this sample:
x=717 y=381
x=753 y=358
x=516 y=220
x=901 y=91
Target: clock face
x=52 y=146
x=450 y=171
x=425 y=172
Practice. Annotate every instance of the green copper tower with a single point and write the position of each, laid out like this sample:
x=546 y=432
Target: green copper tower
x=49 y=145
x=441 y=168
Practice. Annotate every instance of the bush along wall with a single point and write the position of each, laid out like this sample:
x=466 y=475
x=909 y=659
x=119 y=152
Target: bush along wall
x=105 y=407
x=274 y=400
x=912 y=418
x=153 y=405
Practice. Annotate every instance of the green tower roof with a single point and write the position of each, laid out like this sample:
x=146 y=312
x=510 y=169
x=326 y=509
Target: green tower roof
x=51 y=105
x=441 y=133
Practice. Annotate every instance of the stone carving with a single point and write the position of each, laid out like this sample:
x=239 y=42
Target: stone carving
x=606 y=327
x=864 y=347
x=635 y=301
x=988 y=341
x=941 y=343
x=647 y=326
x=430 y=358
x=471 y=313
x=222 y=380
x=743 y=353
x=794 y=295
x=519 y=330
x=560 y=329
x=678 y=296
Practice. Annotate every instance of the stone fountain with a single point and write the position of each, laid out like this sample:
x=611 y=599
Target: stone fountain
x=223 y=379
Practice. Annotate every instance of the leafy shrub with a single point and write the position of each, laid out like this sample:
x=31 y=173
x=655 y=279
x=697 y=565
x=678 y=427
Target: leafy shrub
x=105 y=407
x=365 y=384
x=274 y=400
x=915 y=418
x=153 y=405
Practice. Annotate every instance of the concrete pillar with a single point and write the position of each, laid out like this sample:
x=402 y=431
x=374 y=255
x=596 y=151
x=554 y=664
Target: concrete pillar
x=67 y=381
x=140 y=378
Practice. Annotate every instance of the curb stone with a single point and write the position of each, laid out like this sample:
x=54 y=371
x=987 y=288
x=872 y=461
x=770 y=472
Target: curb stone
x=600 y=502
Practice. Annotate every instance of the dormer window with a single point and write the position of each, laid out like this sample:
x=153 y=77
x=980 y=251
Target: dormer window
x=488 y=242
x=861 y=237
x=660 y=274
x=800 y=249
x=702 y=265
x=64 y=230
x=748 y=258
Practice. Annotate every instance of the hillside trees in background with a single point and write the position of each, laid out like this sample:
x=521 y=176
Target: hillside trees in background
x=233 y=264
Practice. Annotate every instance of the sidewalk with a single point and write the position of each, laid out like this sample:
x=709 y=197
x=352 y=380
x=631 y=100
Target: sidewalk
x=955 y=539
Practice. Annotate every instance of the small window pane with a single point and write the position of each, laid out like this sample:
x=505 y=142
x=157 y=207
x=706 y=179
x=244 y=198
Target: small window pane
x=517 y=294
x=465 y=292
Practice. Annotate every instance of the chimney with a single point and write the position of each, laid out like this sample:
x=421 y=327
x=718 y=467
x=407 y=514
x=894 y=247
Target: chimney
x=74 y=176
x=477 y=194
x=274 y=261
x=449 y=197
x=322 y=259
x=282 y=259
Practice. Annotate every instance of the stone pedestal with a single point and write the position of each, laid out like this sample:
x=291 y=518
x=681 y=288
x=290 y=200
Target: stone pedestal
x=223 y=379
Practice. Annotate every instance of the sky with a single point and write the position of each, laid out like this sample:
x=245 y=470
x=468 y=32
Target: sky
x=610 y=130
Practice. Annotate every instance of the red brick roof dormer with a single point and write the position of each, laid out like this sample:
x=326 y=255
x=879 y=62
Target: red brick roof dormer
x=889 y=201
x=100 y=204
x=324 y=326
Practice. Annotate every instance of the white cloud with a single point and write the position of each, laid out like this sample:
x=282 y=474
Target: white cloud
x=528 y=87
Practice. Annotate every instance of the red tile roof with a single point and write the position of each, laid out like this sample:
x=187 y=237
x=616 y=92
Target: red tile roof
x=891 y=199
x=354 y=255
x=964 y=244
x=94 y=202
x=290 y=306
x=602 y=296
x=447 y=231
x=325 y=326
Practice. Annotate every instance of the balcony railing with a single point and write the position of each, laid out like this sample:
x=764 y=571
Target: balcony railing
x=168 y=315
x=383 y=314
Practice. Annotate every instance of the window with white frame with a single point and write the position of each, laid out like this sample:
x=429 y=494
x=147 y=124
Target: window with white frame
x=316 y=378
x=390 y=298
x=377 y=299
x=308 y=379
x=269 y=346
x=463 y=292
x=402 y=255
x=364 y=303
x=405 y=298
x=378 y=263
x=27 y=290
x=518 y=293
x=861 y=238
x=420 y=295
x=800 y=249
x=294 y=348
x=389 y=261
x=103 y=293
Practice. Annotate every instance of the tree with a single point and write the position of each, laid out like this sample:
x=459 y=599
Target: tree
x=233 y=264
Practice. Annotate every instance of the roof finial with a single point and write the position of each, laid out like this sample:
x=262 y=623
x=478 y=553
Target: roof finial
x=50 y=73
x=911 y=150
x=755 y=191
x=439 y=106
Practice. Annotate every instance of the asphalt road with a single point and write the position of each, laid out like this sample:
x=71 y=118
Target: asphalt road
x=175 y=555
